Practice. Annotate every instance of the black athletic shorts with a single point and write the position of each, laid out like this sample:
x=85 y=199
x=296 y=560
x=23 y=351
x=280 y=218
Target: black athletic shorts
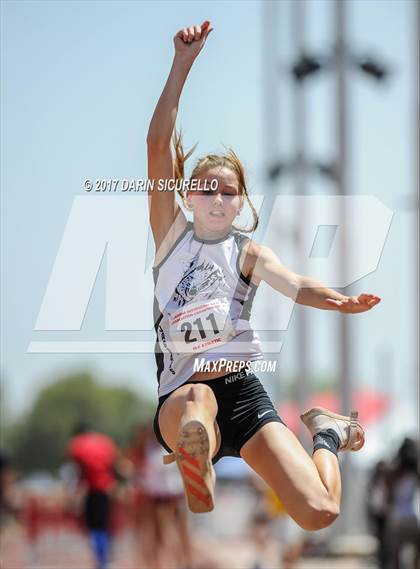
x=243 y=408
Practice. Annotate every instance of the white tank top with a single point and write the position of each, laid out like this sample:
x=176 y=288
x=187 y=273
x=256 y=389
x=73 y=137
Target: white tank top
x=202 y=307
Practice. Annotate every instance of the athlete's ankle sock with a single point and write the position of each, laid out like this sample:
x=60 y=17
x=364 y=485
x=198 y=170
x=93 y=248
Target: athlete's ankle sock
x=327 y=439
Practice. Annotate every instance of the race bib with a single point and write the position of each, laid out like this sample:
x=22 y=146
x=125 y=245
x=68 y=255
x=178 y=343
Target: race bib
x=200 y=326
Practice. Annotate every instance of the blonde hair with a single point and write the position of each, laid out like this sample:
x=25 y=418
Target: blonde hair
x=229 y=160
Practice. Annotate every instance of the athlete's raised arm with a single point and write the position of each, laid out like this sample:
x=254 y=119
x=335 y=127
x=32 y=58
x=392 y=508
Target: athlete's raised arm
x=163 y=208
x=305 y=290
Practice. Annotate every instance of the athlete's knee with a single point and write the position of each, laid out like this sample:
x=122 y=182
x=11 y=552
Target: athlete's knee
x=319 y=516
x=201 y=402
x=200 y=392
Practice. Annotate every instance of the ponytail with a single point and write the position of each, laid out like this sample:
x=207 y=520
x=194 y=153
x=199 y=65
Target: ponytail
x=179 y=159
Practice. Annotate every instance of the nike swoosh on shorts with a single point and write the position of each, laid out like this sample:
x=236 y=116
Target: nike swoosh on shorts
x=265 y=413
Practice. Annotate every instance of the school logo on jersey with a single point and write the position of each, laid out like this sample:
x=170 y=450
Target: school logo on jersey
x=198 y=279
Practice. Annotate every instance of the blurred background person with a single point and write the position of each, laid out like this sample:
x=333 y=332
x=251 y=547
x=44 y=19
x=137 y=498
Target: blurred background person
x=137 y=502
x=402 y=531
x=377 y=500
x=265 y=549
x=161 y=518
x=9 y=499
x=96 y=457
x=277 y=536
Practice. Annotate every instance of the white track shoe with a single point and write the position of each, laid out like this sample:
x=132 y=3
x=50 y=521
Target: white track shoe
x=350 y=433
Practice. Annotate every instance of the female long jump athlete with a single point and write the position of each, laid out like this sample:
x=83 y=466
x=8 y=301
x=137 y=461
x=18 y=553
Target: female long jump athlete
x=206 y=274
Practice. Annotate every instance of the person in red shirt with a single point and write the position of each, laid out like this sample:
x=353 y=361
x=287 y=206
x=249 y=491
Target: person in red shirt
x=95 y=455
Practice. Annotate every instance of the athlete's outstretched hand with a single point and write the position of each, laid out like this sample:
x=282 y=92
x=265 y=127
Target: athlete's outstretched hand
x=190 y=41
x=354 y=304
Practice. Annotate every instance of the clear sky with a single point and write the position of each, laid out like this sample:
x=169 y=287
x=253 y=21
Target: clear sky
x=79 y=84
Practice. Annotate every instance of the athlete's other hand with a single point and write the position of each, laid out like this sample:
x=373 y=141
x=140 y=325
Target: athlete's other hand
x=354 y=304
x=190 y=41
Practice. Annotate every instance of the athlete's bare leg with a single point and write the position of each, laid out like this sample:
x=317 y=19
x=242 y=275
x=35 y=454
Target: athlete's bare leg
x=310 y=489
x=189 y=402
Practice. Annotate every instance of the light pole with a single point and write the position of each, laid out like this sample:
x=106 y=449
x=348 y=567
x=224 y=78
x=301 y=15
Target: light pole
x=299 y=116
x=271 y=133
x=345 y=347
x=416 y=147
